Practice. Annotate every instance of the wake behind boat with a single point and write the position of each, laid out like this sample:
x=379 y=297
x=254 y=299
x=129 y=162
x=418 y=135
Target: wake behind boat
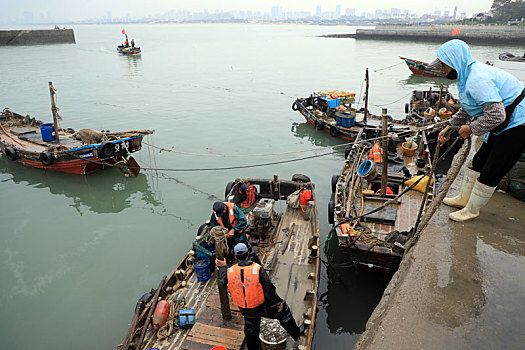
x=48 y=146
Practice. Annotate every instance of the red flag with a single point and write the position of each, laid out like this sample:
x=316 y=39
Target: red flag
x=456 y=31
x=124 y=32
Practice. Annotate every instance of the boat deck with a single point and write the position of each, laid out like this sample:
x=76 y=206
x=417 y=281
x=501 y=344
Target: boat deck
x=293 y=271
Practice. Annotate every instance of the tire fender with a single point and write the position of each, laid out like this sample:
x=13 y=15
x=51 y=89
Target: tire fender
x=331 y=208
x=11 y=154
x=106 y=150
x=46 y=158
x=334 y=132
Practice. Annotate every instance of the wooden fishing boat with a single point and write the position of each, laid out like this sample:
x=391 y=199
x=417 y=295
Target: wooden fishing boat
x=48 y=146
x=373 y=217
x=287 y=243
x=420 y=68
x=128 y=50
x=515 y=65
x=336 y=116
x=428 y=105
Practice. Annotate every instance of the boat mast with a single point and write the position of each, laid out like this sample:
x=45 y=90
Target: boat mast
x=54 y=110
x=366 y=97
x=384 y=167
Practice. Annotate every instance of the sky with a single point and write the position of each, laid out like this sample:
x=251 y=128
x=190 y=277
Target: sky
x=82 y=9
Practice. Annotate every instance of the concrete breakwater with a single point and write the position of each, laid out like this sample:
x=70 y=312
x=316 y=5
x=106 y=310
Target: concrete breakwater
x=34 y=37
x=468 y=33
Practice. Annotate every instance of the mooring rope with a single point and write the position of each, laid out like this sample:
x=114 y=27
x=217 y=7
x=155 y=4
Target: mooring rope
x=380 y=69
x=386 y=104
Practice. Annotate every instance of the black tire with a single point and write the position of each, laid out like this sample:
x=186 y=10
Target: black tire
x=301 y=178
x=228 y=188
x=407 y=108
x=319 y=125
x=201 y=229
x=11 y=153
x=294 y=106
x=331 y=208
x=46 y=158
x=348 y=149
x=334 y=132
x=335 y=178
x=106 y=150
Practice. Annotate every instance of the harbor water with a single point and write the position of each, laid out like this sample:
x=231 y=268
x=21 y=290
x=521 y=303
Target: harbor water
x=77 y=252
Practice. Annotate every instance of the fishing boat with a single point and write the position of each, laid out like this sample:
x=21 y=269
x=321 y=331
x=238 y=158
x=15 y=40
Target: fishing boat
x=332 y=112
x=374 y=211
x=515 y=65
x=199 y=313
x=420 y=68
x=431 y=104
x=47 y=146
x=128 y=50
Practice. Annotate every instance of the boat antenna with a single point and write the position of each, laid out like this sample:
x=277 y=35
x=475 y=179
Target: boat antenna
x=54 y=110
x=366 y=96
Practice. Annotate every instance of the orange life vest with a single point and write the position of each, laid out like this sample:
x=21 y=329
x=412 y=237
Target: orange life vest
x=250 y=196
x=376 y=153
x=247 y=294
x=346 y=229
x=231 y=212
x=305 y=196
x=388 y=190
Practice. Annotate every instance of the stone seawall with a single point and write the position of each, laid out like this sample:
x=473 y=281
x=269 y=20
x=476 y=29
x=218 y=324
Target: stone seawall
x=35 y=37
x=471 y=33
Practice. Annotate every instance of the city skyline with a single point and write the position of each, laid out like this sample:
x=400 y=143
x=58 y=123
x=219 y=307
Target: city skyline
x=76 y=10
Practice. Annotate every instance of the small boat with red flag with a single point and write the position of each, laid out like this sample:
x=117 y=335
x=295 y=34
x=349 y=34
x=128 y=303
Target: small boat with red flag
x=48 y=146
x=420 y=68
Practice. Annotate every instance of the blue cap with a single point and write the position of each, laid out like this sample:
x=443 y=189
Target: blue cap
x=240 y=249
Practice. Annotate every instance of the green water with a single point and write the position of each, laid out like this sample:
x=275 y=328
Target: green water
x=77 y=252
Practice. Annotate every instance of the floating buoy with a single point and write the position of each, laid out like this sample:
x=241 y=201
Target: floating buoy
x=160 y=315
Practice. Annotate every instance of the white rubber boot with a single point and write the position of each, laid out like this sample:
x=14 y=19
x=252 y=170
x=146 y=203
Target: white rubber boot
x=478 y=198
x=466 y=187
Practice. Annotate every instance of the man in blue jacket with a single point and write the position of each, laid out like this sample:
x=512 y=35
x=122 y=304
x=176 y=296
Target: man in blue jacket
x=492 y=104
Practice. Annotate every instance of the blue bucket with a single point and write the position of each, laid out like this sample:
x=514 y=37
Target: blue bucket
x=202 y=268
x=48 y=132
x=367 y=170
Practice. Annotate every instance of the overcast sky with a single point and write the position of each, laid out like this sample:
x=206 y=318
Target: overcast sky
x=82 y=9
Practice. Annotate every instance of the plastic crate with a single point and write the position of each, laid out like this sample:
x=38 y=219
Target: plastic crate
x=345 y=122
x=332 y=102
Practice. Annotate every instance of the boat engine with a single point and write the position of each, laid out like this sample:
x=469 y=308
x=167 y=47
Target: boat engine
x=263 y=215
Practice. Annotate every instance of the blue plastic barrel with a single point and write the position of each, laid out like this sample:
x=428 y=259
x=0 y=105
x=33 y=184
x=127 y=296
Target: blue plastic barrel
x=202 y=268
x=48 y=132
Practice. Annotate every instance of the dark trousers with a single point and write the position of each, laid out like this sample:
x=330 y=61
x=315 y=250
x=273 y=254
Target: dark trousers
x=498 y=155
x=252 y=326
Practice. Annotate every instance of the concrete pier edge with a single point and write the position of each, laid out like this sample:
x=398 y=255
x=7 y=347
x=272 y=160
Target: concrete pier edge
x=37 y=37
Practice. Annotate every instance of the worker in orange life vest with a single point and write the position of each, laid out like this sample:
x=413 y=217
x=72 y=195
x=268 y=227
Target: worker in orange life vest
x=375 y=153
x=230 y=216
x=255 y=295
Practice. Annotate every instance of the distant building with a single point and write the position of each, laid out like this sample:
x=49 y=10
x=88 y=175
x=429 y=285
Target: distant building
x=28 y=17
x=350 y=12
x=455 y=12
x=446 y=13
x=437 y=13
x=318 y=10
x=378 y=14
x=395 y=12
x=275 y=11
x=338 y=11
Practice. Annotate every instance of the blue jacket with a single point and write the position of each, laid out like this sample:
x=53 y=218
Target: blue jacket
x=479 y=83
